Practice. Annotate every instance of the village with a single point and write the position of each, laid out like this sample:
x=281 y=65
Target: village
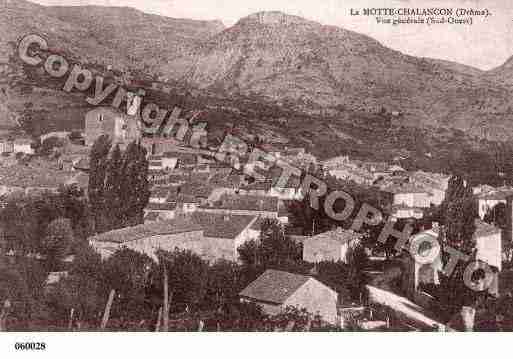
x=301 y=270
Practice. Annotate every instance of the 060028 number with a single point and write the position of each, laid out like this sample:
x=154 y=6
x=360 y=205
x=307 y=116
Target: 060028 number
x=30 y=346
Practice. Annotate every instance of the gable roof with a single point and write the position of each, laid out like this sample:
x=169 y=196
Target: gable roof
x=341 y=235
x=404 y=188
x=141 y=231
x=274 y=286
x=167 y=206
x=222 y=225
x=152 y=216
x=247 y=203
x=158 y=191
x=25 y=176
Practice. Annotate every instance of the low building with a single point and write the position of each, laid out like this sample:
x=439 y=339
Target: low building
x=23 y=145
x=329 y=246
x=19 y=178
x=488 y=239
x=150 y=237
x=224 y=234
x=408 y=200
x=264 y=206
x=181 y=160
x=276 y=290
x=166 y=210
x=161 y=194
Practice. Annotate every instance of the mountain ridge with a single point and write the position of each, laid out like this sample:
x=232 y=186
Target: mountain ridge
x=284 y=59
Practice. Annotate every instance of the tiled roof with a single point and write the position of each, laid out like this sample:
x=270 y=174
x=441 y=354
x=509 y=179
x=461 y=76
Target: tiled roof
x=168 y=206
x=221 y=225
x=197 y=189
x=256 y=186
x=187 y=158
x=152 y=216
x=25 y=176
x=141 y=231
x=82 y=164
x=403 y=188
x=221 y=179
x=160 y=192
x=274 y=286
x=339 y=234
x=23 y=141
x=81 y=179
x=246 y=203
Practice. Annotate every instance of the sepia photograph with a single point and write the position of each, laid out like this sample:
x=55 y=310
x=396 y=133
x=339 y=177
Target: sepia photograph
x=282 y=166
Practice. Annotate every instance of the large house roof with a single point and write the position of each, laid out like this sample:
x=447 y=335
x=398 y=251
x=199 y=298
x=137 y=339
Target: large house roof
x=274 y=286
x=141 y=231
x=25 y=176
x=339 y=234
x=222 y=225
x=167 y=206
x=246 y=203
x=403 y=188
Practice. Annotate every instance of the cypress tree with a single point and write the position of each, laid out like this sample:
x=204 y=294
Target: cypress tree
x=113 y=188
x=98 y=164
x=135 y=192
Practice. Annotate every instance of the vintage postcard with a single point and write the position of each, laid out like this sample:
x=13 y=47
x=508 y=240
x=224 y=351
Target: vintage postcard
x=267 y=166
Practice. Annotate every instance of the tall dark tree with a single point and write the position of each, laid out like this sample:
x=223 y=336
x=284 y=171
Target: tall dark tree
x=57 y=241
x=114 y=189
x=98 y=165
x=128 y=272
x=458 y=213
x=135 y=192
x=187 y=277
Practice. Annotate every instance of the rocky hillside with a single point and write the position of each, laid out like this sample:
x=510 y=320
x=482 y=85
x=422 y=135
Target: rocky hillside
x=124 y=38
x=503 y=74
x=289 y=59
x=269 y=56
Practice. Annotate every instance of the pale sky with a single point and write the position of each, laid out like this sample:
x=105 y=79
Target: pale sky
x=486 y=44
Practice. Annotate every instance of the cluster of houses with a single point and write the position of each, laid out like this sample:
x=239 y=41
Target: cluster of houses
x=201 y=205
x=410 y=193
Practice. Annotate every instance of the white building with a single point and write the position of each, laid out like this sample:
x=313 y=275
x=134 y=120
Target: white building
x=23 y=145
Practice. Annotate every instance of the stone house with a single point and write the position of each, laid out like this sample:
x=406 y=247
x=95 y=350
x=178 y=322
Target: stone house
x=276 y=290
x=329 y=246
x=151 y=237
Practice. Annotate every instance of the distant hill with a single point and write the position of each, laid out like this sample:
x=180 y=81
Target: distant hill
x=269 y=57
x=289 y=59
x=123 y=38
x=503 y=74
